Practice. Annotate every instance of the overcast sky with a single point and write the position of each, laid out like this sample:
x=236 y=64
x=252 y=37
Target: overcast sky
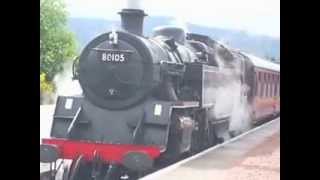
x=254 y=16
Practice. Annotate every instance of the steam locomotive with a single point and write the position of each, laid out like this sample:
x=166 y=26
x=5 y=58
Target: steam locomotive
x=152 y=99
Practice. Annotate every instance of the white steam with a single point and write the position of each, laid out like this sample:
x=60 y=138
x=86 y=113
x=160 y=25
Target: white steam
x=46 y=98
x=219 y=61
x=65 y=86
x=114 y=27
x=240 y=118
x=230 y=100
x=181 y=23
x=134 y=4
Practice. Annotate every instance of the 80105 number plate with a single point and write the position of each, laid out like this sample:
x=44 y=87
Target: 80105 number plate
x=113 y=57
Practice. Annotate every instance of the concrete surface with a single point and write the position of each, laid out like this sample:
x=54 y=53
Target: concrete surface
x=46 y=116
x=255 y=156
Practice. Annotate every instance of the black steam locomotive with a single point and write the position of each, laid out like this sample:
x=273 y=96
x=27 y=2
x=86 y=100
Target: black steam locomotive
x=145 y=100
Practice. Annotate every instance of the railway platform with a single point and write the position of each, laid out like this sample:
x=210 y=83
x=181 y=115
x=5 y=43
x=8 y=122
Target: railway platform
x=46 y=114
x=254 y=155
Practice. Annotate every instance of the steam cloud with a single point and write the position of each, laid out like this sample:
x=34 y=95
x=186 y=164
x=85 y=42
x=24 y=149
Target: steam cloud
x=46 y=98
x=240 y=118
x=134 y=4
x=64 y=84
x=181 y=23
x=229 y=100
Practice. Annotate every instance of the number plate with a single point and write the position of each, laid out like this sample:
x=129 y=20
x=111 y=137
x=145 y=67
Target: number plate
x=116 y=57
x=113 y=56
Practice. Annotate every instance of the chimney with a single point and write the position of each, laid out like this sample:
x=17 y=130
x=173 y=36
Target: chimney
x=132 y=20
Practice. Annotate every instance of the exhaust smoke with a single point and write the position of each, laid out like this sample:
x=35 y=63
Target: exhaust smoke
x=134 y=4
x=230 y=99
x=181 y=23
x=65 y=86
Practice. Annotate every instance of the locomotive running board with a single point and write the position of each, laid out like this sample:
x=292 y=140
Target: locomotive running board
x=185 y=104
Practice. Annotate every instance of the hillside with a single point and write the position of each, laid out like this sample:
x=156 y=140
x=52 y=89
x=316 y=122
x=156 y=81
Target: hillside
x=85 y=29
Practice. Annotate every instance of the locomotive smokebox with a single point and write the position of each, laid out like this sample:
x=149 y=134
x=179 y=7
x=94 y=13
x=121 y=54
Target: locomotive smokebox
x=132 y=20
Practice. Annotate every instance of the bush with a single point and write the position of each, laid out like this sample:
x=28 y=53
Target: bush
x=46 y=90
x=57 y=43
x=45 y=85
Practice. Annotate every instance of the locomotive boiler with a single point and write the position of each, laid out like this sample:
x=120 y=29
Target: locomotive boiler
x=148 y=100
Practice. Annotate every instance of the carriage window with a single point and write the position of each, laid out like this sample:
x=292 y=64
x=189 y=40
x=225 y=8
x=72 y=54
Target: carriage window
x=265 y=86
x=272 y=85
x=276 y=85
x=259 y=76
x=270 y=78
x=266 y=77
x=256 y=84
x=268 y=85
x=278 y=82
x=259 y=84
x=268 y=89
x=275 y=88
x=260 y=87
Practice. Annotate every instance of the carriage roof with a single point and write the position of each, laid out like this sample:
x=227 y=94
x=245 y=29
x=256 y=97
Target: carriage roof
x=261 y=63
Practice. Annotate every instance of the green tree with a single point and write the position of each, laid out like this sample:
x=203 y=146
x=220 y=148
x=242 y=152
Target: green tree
x=57 y=43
